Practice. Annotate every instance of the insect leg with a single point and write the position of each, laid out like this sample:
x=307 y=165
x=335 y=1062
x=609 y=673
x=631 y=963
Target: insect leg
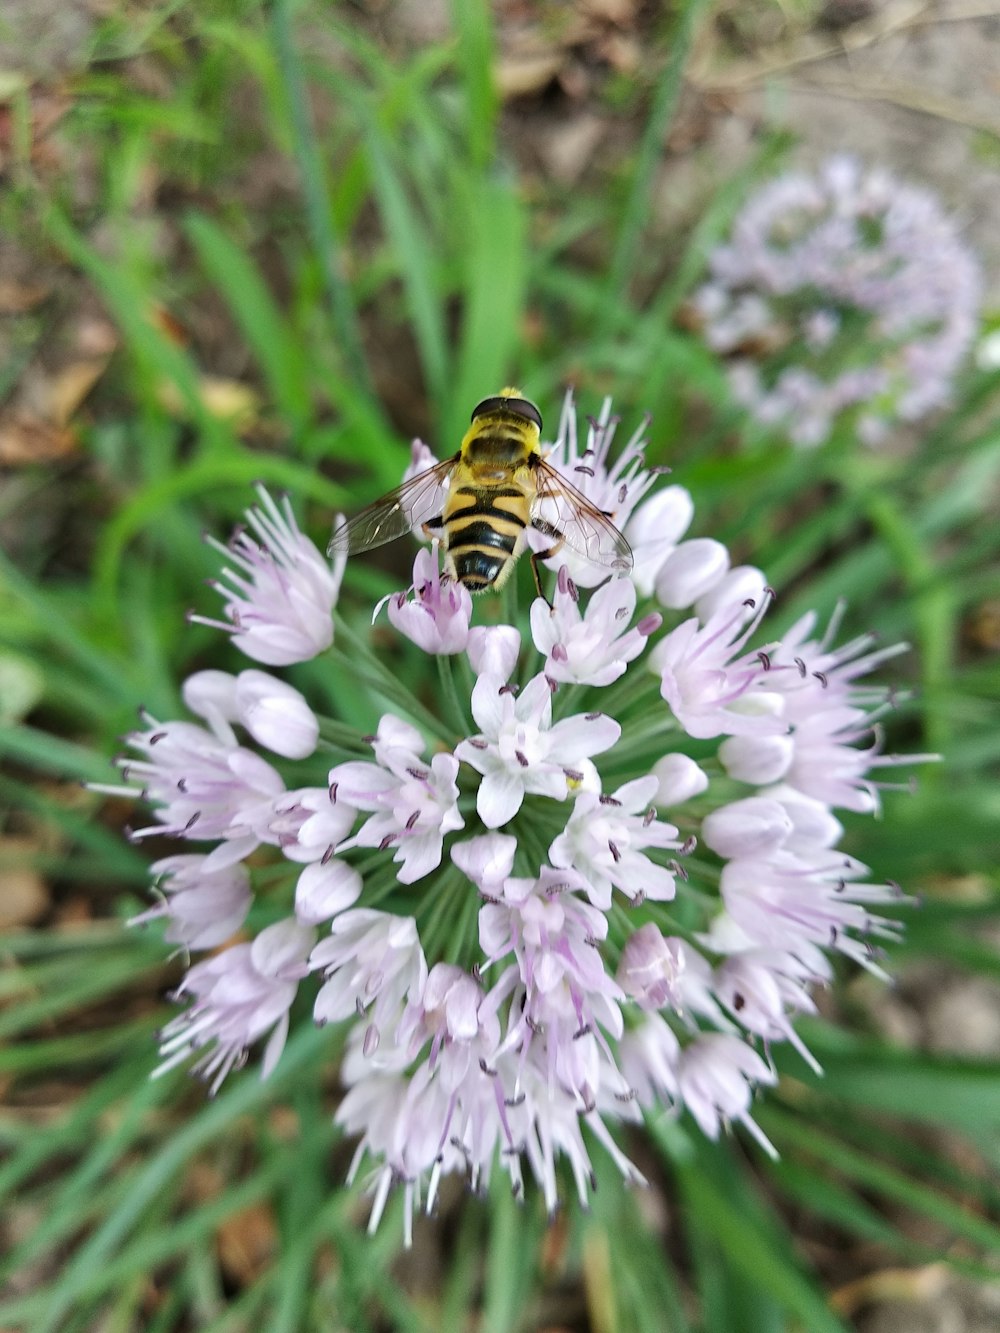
x=558 y=538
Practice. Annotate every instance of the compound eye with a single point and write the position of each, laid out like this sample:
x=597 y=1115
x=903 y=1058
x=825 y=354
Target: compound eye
x=515 y=407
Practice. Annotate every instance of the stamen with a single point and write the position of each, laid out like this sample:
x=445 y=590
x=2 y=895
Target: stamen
x=613 y=849
x=521 y=758
x=608 y=800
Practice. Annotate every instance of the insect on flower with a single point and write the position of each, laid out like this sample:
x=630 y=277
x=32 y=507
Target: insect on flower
x=486 y=498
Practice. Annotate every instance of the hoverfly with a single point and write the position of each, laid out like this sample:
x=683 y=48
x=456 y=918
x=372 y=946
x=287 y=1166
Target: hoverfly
x=485 y=498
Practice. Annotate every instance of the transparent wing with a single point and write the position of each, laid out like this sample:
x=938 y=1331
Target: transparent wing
x=417 y=501
x=585 y=528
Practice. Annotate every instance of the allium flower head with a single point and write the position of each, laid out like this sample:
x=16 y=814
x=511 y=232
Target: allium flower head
x=279 y=590
x=819 y=265
x=489 y=895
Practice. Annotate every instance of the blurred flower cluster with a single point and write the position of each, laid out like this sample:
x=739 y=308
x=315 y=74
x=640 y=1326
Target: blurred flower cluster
x=841 y=291
x=601 y=877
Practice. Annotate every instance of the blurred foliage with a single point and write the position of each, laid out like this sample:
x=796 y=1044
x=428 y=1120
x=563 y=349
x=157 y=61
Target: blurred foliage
x=312 y=239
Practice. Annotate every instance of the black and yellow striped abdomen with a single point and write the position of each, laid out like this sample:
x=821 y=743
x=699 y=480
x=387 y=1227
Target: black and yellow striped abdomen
x=484 y=526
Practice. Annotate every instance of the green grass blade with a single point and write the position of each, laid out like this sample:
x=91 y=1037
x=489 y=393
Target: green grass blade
x=264 y=329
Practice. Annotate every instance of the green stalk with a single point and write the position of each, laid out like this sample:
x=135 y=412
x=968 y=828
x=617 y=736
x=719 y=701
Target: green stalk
x=446 y=675
x=381 y=678
x=325 y=240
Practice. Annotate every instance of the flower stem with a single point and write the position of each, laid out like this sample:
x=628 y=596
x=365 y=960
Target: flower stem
x=453 y=703
x=381 y=678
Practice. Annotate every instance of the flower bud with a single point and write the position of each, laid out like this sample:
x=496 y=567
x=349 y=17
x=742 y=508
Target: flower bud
x=757 y=759
x=691 y=571
x=752 y=827
x=493 y=650
x=324 y=890
x=680 y=778
x=654 y=530
x=276 y=715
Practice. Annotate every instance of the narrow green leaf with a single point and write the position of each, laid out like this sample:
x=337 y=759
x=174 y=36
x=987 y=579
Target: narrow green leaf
x=493 y=300
x=473 y=23
x=758 y=1256
x=266 y=332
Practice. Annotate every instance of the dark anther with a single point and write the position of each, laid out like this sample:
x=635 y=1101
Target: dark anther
x=327 y=856
x=573 y=774
x=334 y=786
x=738 y=1002
x=639 y=898
x=582 y=1032
x=515 y=1101
x=677 y=869
x=521 y=758
x=649 y=817
x=612 y=848
x=626 y=1097
x=369 y=740
x=834 y=936
x=821 y=677
x=622 y=492
x=508 y=689
x=749 y=602
x=552 y=684
x=621 y=613
x=478 y=743
x=182 y=785
x=192 y=821
x=840 y=886
x=476 y=973
x=592 y=717
x=419 y=773
x=534 y=1026
x=688 y=845
x=490 y=1073
x=156 y=737
x=801 y=666
x=769 y=592
x=608 y=800
x=387 y=841
x=587 y=471
x=411 y=822
x=764 y=659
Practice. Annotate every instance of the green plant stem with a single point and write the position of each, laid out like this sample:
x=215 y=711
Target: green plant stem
x=637 y=204
x=382 y=679
x=326 y=241
x=446 y=675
